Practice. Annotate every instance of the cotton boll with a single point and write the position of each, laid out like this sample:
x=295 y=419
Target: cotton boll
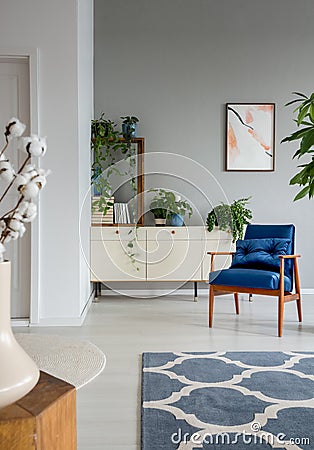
x=31 y=181
x=15 y=128
x=28 y=211
x=34 y=145
x=13 y=235
x=23 y=207
x=40 y=180
x=30 y=191
x=15 y=224
x=22 y=230
x=21 y=180
x=6 y=170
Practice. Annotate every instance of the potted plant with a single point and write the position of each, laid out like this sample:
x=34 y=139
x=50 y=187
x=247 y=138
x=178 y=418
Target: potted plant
x=305 y=119
x=166 y=205
x=107 y=146
x=129 y=126
x=231 y=218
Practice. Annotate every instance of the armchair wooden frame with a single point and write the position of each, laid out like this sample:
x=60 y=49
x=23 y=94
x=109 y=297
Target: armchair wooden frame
x=283 y=297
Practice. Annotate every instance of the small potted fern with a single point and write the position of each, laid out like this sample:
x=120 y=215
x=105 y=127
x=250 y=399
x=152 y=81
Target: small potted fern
x=231 y=218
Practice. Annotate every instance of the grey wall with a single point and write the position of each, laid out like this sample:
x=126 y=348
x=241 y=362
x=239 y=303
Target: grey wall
x=176 y=63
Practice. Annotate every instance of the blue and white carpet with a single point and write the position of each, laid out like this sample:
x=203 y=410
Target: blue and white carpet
x=223 y=400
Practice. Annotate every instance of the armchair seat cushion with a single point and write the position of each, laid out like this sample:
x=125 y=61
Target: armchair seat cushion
x=248 y=278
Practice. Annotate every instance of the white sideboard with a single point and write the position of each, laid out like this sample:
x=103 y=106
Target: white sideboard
x=160 y=253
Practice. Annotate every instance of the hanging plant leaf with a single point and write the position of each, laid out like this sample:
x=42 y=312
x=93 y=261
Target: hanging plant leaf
x=306 y=136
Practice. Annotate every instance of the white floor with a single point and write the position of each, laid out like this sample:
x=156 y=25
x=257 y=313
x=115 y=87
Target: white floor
x=108 y=408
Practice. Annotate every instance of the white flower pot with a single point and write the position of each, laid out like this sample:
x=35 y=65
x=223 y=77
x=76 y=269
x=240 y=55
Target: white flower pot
x=160 y=222
x=19 y=373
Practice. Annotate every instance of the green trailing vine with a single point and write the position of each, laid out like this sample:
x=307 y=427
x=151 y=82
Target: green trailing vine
x=131 y=246
x=231 y=218
x=305 y=119
x=107 y=145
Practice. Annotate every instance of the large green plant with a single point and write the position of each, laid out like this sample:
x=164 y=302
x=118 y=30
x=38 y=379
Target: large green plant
x=231 y=218
x=165 y=203
x=107 y=145
x=305 y=120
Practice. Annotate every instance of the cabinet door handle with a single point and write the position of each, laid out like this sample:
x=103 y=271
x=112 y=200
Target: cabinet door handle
x=117 y=231
x=173 y=232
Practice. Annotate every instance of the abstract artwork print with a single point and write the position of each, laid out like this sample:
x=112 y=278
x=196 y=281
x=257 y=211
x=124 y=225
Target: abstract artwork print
x=250 y=140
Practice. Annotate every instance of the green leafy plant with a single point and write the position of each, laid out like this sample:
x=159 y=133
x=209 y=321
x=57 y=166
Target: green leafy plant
x=129 y=120
x=305 y=120
x=129 y=126
x=107 y=146
x=231 y=218
x=165 y=203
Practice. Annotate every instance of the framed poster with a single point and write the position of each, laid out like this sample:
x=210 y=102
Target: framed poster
x=250 y=137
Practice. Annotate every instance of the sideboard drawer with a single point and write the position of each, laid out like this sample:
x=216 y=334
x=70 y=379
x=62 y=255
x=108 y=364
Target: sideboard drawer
x=110 y=261
x=117 y=233
x=175 y=233
x=177 y=260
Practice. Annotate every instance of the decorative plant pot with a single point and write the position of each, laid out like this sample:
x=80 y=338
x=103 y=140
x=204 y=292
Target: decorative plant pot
x=129 y=130
x=176 y=220
x=19 y=373
x=160 y=222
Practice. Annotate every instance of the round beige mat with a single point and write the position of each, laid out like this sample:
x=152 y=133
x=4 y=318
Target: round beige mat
x=72 y=360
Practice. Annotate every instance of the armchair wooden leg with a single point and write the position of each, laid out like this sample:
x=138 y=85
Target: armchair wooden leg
x=299 y=308
x=236 y=302
x=298 y=289
x=211 y=306
x=281 y=306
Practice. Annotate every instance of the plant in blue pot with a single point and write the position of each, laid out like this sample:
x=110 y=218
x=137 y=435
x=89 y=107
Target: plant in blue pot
x=168 y=206
x=129 y=127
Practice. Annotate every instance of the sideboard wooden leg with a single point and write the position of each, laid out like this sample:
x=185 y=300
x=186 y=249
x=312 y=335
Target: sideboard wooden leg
x=95 y=287
x=195 y=291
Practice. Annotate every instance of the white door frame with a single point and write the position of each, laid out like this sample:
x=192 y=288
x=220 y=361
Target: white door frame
x=32 y=55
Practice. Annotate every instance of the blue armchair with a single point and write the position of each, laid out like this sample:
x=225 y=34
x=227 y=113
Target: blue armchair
x=264 y=263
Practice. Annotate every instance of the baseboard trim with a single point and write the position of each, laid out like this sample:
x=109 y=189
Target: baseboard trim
x=19 y=322
x=307 y=291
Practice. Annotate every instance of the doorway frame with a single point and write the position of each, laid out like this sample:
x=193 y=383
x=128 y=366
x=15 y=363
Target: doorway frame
x=33 y=61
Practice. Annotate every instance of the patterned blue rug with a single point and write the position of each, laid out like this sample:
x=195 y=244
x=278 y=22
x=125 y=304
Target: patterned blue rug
x=224 y=400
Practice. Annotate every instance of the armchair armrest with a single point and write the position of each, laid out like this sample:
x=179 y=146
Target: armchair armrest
x=296 y=270
x=213 y=254
x=220 y=253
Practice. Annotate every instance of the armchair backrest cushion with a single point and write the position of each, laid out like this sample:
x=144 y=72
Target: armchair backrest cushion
x=257 y=231
x=260 y=254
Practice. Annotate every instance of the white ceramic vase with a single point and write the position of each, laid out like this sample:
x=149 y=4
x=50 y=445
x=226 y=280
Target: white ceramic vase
x=18 y=373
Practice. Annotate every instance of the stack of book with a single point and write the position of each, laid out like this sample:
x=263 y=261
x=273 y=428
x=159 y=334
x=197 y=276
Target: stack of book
x=98 y=216
x=121 y=213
